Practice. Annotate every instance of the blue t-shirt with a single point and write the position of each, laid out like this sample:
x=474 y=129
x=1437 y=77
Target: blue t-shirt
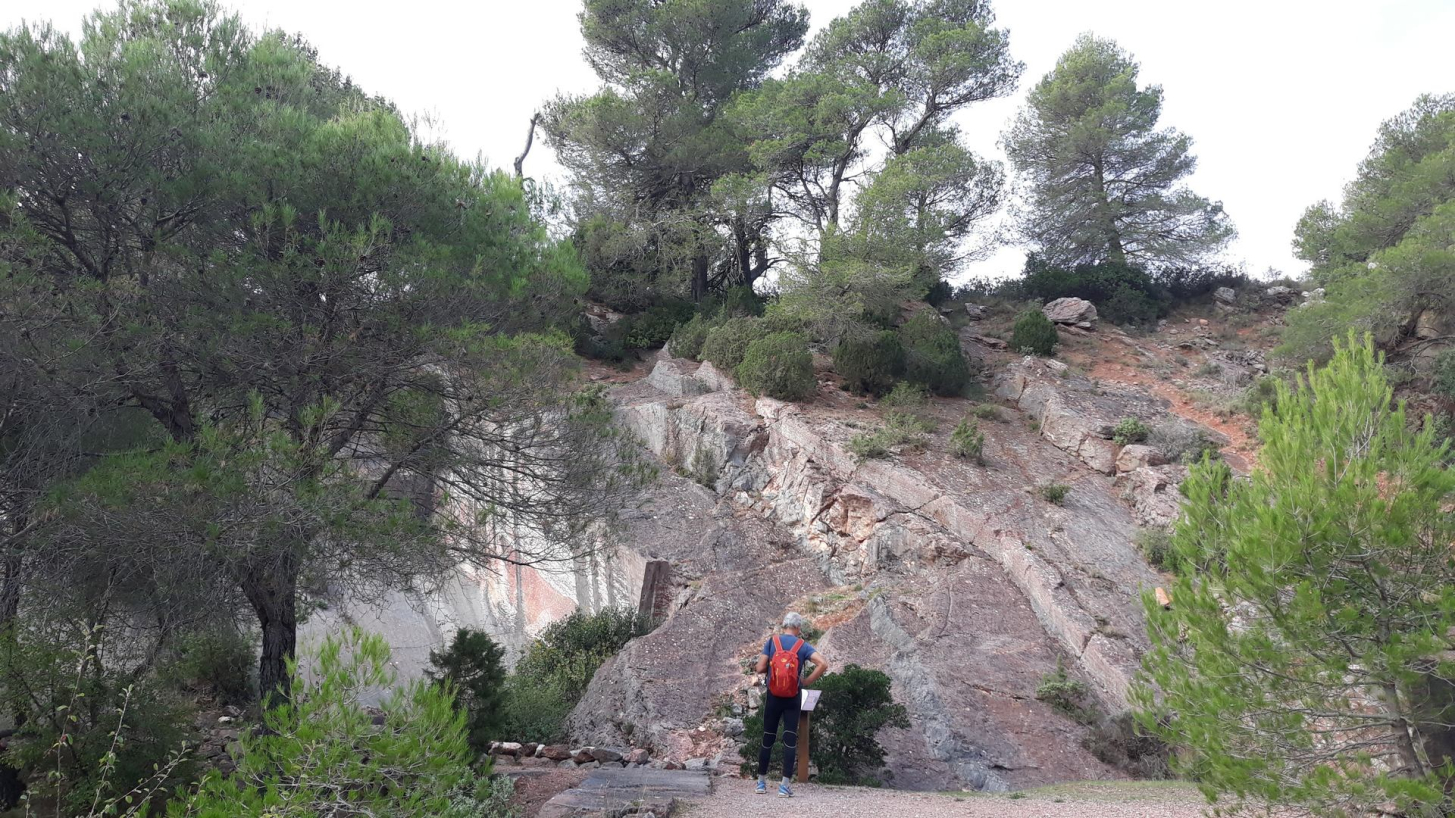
x=790 y=642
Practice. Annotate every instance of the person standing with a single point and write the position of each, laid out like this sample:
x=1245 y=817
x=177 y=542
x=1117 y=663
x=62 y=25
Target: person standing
x=783 y=659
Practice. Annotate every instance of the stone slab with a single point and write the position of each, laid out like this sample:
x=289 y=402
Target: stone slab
x=608 y=792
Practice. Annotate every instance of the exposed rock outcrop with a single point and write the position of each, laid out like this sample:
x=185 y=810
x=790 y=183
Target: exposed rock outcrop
x=1070 y=311
x=960 y=583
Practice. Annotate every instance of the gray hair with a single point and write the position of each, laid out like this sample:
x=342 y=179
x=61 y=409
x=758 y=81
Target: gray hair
x=793 y=620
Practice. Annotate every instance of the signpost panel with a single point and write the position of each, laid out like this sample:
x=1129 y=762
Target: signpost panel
x=807 y=703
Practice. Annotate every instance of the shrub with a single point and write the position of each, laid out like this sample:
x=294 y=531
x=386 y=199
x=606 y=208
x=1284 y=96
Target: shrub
x=652 y=328
x=1034 y=334
x=1156 y=547
x=1130 y=430
x=1444 y=381
x=1182 y=442
x=968 y=441
x=906 y=396
x=320 y=752
x=609 y=346
x=900 y=430
x=1054 y=492
x=727 y=342
x=932 y=354
x=534 y=710
x=871 y=364
x=1122 y=293
x=731 y=303
x=844 y=733
x=687 y=339
x=779 y=366
x=472 y=667
x=986 y=411
x=1068 y=695
x=1262 y=394
x=1119 y=741
x=221 y=660
x=568 y=651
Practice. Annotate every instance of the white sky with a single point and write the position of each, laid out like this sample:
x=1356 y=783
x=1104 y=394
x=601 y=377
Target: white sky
x=1281 y=97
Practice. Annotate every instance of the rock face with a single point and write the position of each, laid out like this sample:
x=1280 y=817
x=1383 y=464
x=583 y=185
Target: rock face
x=951 y=577
x=1070 y=311
x=1226 y=295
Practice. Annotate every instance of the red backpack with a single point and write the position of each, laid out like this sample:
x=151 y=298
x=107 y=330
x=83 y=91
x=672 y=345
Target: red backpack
x=783 y=670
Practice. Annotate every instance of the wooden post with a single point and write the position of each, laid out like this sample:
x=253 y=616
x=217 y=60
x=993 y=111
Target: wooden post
x=803 y=747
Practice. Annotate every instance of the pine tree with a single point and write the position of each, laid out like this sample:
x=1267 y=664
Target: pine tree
x=1307 y=655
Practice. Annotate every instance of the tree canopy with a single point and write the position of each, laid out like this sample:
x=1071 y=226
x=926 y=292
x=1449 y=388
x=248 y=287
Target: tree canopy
x=1306 y=659
x=1103 y=181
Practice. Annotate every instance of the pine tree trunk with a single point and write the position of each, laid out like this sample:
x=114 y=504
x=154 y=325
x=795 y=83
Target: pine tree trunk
x=272 y=590
x=699 y=276
x=12 y=786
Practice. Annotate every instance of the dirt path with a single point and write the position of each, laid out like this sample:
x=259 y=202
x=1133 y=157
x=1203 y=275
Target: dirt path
x=733 y=798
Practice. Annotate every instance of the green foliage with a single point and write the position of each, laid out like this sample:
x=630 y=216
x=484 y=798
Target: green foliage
x=967 y=441
x=1444 y=376
x=871 y=364
x=932 y=354
x=1383 y=253
x=732 y=303
x=652 y=328
x=1104 y=181
x=1034 y=334
x=844 y=731
x=986 y=411
x=553 y=673
x=1070 y=696
x=1260 y=397
x=321 y=752
x=901 y=431
x=906 y=396
x=1053 y=492
x=727 y=343
x=92 y=737
x=1184 y=443
x=1130 y=430
x=472 y=668
x=779 y=366
x=220 y=659
x=688 y=338
x=1155 y=544
x=1123 y=293
x=1306 y=656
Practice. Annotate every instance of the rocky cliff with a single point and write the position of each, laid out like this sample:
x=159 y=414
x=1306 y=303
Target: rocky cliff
x=956 y=578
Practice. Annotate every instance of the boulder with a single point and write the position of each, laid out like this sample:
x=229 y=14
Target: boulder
x=1070 y=311
x=568 y=764
x=670 y=376
x=1138 y=455
x=1151 y=491
x=712 y=379
x=1428 y=325
x=1281 y=294
x=1226 y=295
x=732 y=727
x=556 y=752
x=975 y=312
x=583 y=756
x=528 y=749
x=505 y=748
x=639 y=756
x=605 y=754
x=695 y=764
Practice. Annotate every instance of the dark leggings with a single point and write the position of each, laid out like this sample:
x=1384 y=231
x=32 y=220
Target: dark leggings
x=776 y=708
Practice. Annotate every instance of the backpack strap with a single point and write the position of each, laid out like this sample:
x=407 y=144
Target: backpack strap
x=778 y=643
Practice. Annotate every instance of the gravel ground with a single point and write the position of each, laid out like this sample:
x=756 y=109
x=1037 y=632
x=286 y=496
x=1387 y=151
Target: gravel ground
x=734 y=798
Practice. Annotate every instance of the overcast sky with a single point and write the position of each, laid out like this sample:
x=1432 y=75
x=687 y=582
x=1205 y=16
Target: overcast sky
x=1281 y=97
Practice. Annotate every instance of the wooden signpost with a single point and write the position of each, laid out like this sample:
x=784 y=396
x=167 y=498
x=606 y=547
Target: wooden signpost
x=808 y=702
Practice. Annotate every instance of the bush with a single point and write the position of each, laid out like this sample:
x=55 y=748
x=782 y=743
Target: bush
x=932 y=354
x=1120 y=742
x=968 y=441
x=472 y=666
x=1054 y=492
x=1068 y=696
x=534 y=710
x=1182 y=442
x=652 y=328
x=1034 y=334
x=1122 y=293
x=1130 y=430
x=222 y=660
x=609 y=347
x=900 y=430
x=872 y=364
x=731 y=303
x=906 y=396
x=320 y=752
x=779 y=366
x=844 y=734
x=568 y=651
x=1156 y=547
x=986 y=411
x=86 y=732
x=688 y=338
x=1444 y=381
x=1263 y=394
x=727 y=343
